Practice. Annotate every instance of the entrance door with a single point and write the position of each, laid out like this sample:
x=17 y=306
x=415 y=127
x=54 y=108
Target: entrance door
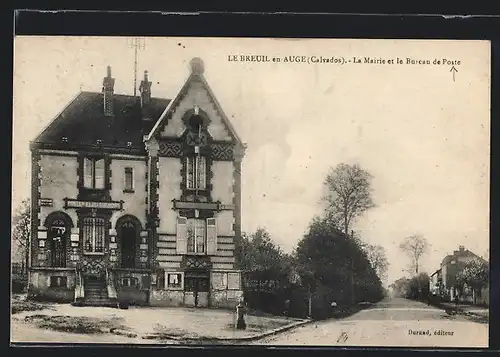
x=196 y=291
x=128 y=244
x=58 y=245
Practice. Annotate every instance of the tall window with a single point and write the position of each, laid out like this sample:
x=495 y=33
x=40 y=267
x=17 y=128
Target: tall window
x=93 y=234
x=196 y=177
x=93 y=173
x=129 y=179
x=58 y=243
x=196 y=235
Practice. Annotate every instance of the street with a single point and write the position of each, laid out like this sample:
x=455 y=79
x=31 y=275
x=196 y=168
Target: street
x=390 y=323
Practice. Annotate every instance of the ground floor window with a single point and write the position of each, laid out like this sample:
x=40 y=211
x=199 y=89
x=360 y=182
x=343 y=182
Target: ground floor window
x=58 y=281
x=129 y=282
x=174 y=280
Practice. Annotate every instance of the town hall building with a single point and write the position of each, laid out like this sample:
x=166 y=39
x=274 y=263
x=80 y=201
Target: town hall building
x=137 y=199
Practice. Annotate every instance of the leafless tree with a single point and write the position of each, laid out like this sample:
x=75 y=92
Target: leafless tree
x=415 y=246
x=378 y=259
x=348 y=195
x=21 y=229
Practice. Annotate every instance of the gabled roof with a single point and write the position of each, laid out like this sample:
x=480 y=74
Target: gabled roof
x=173 y=104
x=83 y=121
x=436 y=272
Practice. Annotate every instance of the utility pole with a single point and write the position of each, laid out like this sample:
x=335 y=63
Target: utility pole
x=136 y=44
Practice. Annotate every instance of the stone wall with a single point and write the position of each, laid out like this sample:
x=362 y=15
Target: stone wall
x=40 y=289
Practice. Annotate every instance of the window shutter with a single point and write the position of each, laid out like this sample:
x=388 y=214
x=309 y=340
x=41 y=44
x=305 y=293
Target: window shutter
x=87 y=172
x=181 y=235
x=99 y=174
x=211 y=236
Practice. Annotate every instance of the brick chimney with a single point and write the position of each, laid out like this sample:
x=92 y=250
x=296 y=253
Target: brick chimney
x=145 y=89
x=108 y=85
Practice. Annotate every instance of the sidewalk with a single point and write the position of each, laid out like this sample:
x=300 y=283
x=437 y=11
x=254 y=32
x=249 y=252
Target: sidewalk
x=179 y=324
x=467 y=309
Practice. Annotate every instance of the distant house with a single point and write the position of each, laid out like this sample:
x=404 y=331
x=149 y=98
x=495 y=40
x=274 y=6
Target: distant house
x=435 y=282
x=451 y=265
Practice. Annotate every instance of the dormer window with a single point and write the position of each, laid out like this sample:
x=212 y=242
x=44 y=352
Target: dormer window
x=93 y=173
x=64 y=139
x=129 y=144
x=196 y=173
x=99 y=142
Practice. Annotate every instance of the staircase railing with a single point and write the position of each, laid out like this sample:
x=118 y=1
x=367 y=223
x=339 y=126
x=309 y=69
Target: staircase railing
x=79 y=287
x=110 y=285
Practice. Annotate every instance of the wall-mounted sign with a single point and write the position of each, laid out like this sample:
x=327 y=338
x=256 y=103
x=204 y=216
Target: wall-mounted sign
x=226 y=207
x=196 y=205
x=112 y=205
x=174 y=280
x=45 y=202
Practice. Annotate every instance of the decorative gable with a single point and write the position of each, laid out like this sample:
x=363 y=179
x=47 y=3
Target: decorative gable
x=195 y=93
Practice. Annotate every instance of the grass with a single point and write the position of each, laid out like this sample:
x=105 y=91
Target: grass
x=26 y=305
x=75 y=324
x=478 y=318
x=164 y=333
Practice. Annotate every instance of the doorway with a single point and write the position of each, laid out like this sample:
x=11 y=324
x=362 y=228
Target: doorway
x=57 y=244
x=196 y=290
x=128 y=241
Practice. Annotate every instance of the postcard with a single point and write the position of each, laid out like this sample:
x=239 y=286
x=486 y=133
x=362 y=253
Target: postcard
x=250 y=191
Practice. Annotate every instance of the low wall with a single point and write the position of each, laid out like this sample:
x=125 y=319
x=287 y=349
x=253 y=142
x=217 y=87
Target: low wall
x=39 y=287
x=166 y=298
x=227 y=299
x=132 y=286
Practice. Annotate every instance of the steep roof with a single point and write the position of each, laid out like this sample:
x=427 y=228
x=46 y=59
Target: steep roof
x=83 y=121
x=436 y=272
x=196 y=75
x=458 y=254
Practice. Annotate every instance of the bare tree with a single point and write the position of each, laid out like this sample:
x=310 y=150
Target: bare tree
x=21 y=229
x=378 y=259
x=348 y=195
x=415 y=246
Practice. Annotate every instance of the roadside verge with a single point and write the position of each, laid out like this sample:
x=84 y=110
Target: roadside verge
x=158 y=336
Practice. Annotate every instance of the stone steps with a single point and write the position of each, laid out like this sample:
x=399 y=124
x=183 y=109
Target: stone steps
x=96 y=294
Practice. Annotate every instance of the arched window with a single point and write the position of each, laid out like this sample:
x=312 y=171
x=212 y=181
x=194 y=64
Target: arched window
x=57 y=237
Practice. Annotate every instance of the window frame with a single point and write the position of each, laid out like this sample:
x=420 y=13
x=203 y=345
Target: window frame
x=93 y=177
x=167 y=280
x=59 y=279
x=128 y=170
x=192 y=164
x=196 y=220
x=93 y=238
x=132 y=282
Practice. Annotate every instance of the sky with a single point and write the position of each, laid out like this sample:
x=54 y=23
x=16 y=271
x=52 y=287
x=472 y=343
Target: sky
x=422 y=131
